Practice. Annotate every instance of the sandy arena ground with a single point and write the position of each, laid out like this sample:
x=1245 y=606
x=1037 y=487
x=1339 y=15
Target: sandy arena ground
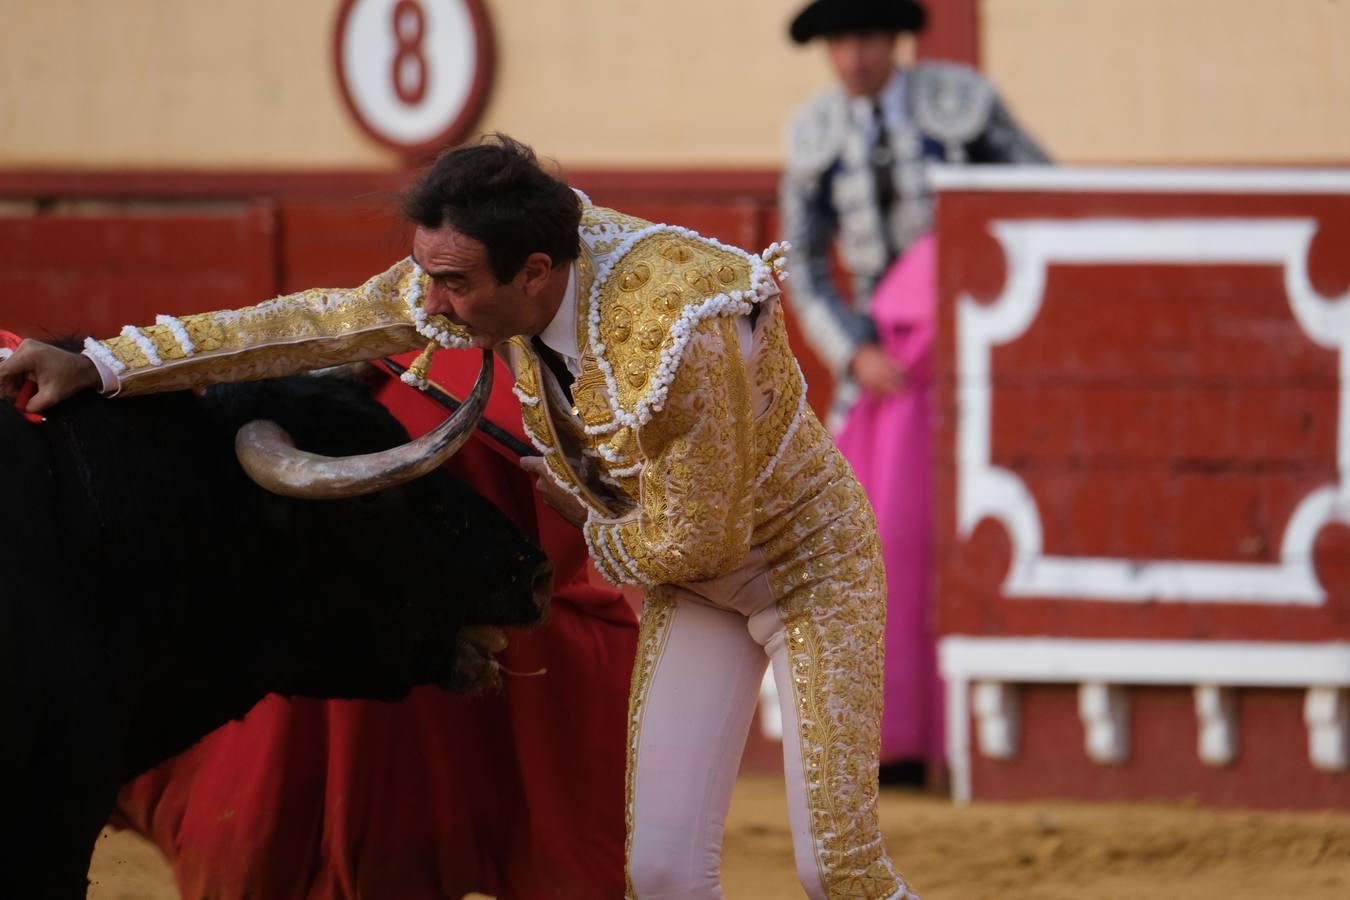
x=985 y=852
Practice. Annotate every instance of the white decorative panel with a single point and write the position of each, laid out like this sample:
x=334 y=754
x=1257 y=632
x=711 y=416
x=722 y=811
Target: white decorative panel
x=984 y=490
x=1326 y=711
x=996 y=715
x=1105 y=711
x=1216 y=716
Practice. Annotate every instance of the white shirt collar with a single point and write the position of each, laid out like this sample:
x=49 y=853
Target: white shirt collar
x=560 y=335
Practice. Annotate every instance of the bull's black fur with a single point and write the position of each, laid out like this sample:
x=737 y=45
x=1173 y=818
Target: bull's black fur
x=149 y=592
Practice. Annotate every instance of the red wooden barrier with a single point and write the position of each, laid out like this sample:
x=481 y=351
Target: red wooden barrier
x=102 y=250
x=66 y=274
x=1144 y=480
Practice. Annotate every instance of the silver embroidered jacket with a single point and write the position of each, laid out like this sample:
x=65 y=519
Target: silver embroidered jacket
x=952 y=114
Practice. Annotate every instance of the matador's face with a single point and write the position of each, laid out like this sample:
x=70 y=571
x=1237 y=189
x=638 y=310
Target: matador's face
x=863 y=62
x=464 y=289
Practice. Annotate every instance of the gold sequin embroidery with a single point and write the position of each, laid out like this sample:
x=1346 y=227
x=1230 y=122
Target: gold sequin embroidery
x=653 y=630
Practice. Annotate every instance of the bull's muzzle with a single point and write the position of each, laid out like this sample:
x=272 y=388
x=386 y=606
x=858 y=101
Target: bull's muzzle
x=270 y=457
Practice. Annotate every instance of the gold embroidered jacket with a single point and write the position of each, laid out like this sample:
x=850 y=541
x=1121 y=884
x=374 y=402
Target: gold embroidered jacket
x=674 y=430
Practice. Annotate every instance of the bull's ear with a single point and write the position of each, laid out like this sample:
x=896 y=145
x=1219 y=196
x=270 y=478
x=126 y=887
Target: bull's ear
x=270 y=457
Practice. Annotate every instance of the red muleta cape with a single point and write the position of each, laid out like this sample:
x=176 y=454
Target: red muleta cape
x=9 y=341
x=517 y=794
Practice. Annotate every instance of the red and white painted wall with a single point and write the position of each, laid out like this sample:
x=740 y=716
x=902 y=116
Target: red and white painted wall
x=1144 y=557
x=1144 y=484
x=1143 y=445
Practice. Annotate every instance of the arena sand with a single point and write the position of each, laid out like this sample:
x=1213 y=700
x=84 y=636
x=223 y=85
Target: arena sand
x=984 y=852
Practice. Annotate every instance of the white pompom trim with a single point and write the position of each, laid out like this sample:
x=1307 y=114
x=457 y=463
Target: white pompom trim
x=233 y=317
x=763 y=268
x=180 y=333
x=538 y=444
x=608 y=539
x=608 y=453
x=420 y=320
x=146 y=346
x=630 y=566
x=548 y=451
x=571 y=489
x=104 y=355
x=603 y=561
x=524 y=398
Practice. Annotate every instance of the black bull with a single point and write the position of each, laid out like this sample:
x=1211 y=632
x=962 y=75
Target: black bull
x=149 y=593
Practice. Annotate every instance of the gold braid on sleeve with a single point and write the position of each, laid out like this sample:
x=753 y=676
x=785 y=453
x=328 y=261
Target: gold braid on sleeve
x=298 y=332
x=693 y=519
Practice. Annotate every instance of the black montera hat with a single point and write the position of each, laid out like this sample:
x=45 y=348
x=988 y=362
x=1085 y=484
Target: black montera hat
x=827 y=18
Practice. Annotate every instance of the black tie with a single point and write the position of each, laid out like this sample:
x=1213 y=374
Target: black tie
x=555 y=365
x=883 y=175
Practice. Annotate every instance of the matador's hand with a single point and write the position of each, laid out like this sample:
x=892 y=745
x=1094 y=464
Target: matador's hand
x=58 y=374
x=557 y=499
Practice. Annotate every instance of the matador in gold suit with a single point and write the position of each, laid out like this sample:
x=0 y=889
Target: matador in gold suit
x=707 y=480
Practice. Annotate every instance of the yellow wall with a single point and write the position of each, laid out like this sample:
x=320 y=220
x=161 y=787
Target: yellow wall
x=694 y=83
x=1176 y=80
x=251 y=83
x=169 y=83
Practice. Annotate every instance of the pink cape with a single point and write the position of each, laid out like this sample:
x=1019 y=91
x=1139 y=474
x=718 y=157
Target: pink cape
x=888 y=442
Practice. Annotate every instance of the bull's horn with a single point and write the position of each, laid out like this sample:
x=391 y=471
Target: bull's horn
x=270 y=457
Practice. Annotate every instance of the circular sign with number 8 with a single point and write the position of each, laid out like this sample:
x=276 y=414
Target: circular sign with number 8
x=414 y=73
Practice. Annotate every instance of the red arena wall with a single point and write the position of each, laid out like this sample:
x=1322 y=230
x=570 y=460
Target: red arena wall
x=88 y=252
x=1144 y=485
x=1143 y=444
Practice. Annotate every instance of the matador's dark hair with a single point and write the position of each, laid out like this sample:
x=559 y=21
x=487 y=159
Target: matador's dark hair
x=496 y=192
